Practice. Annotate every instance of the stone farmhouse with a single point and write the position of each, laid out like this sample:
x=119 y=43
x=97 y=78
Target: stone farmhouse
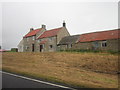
x=42 y=40
x=102 y=41
x=20 y=46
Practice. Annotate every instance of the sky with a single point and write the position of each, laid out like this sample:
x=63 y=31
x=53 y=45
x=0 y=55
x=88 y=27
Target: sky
x=16 y=18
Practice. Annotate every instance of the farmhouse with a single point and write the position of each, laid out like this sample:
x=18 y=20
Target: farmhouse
x=42 y=40
x=104 y=41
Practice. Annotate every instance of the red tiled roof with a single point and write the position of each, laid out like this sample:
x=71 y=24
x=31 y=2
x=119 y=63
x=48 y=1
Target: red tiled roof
x=32 y=33
x=50 y=33
x=43 y=42
x=2 y=50
x=104 y=35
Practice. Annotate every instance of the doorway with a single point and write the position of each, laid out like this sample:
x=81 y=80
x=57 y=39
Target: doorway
x=41 y=48
x=33 y=48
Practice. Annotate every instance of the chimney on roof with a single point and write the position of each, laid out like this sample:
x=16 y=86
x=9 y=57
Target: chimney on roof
x=64 y=24
x=44 y=26
x=31 y=29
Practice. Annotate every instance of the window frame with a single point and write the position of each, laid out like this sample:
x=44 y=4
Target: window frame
x=104 y=43
x=51 y=46
x=39 y=40
x=50 y=38
x=26 y=47
x=33 y=37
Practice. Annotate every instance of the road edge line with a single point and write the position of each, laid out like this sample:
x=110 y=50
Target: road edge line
x=39 y=81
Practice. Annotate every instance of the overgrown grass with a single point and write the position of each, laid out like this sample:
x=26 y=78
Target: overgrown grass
x=76 y=69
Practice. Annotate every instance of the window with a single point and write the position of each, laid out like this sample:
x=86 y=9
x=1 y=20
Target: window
x=104 y=44
x=27 y=39
x=50 y=39
x=39 y=40
x=96 y=44
x=43 y=45
x=33 y=38
x=26 y=47
x=51 y=46
x=70 y=45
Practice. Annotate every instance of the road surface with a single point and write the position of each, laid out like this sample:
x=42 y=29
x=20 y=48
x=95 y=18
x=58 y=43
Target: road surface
x=15 y=81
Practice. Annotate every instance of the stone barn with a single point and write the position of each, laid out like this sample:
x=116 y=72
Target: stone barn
x=103 y=40
x=68 y=42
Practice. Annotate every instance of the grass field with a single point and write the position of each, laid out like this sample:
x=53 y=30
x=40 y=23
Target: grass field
x=91 y=70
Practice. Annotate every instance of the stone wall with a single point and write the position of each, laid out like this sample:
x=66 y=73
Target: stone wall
x=46 y=45
x=62 y=33
x=112 y=45
x=28 y=44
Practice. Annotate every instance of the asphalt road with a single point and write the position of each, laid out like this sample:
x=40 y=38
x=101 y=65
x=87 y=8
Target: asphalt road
x=12 y=81
x=17 y=82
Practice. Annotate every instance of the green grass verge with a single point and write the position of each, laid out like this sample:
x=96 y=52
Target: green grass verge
x=90 y=51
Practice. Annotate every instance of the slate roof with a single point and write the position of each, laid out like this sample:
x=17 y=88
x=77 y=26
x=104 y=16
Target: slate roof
x=50 y=33
x=32 y=33
x=69 y=39
x=103 y=35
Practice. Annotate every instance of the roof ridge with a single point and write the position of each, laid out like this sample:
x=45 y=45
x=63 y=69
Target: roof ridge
x=99 y=31
x=53 y=29
x=102 y=35
x=37 y=29
x=33 y=32
x=49 y=33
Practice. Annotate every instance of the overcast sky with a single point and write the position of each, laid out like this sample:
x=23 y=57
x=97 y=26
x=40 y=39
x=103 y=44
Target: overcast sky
x=80 y=17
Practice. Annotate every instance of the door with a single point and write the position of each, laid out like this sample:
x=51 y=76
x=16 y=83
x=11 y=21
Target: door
x=32 y=47
x=41 y=47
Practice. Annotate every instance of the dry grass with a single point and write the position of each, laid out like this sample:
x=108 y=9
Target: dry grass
x=71 y=68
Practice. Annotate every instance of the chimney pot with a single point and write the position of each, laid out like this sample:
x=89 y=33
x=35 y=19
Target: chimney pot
x=31 y=29
x=64 y=24
x=44 y=26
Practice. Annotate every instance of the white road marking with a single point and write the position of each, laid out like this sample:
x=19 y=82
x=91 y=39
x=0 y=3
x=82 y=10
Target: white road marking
x=37 y=80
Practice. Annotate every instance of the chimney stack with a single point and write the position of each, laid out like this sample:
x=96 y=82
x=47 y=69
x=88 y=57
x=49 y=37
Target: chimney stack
x=64 y=24
x=44 y=26
x=31 y=29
